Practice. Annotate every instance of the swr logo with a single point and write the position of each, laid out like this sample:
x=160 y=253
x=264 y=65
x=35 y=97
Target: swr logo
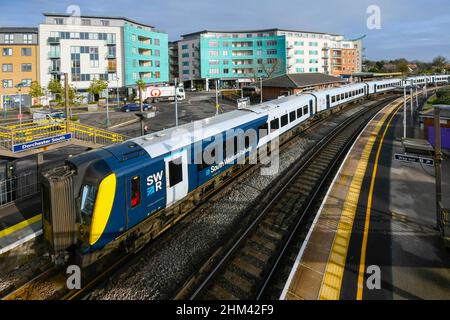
x=154 y=183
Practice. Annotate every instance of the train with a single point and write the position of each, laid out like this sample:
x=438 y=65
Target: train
x=121 y=196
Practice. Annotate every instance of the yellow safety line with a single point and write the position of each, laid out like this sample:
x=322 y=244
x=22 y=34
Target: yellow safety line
x=20 y=225
x=362 y=263
x=334 y=271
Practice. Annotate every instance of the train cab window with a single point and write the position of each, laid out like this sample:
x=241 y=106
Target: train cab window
x=299 y=112
x=263 y=130
x=135 y=191
x=292 y=116
x=274 y=125
x=284 y=120
x=305 y=110
x=88 y=194
x=175 y=172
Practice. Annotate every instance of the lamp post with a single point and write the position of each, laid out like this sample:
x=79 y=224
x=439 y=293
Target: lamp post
x=176 y=103
x=118 y=98
x=107 y=106
x=217 y=97
x=19 y=91
x=66 y=97
x=260 y=90
x=438 y=161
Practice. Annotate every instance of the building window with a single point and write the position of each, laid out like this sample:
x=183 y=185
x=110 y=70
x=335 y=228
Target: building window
x=185 y=55
x=300 y=70
x=259 y=52
x=214 y=43
x=313 y=69
x=185 y=71
x=213 y=62
x=157 y=42
x=105 y=23
x=26 y=67
x=157 y=53
x=299 y=52
x=225 y=44
x=226 y=71
x=272 y=43
x=313 y=44
x=184 y=47
x=85 y=22
x=213 y=53
x=58 y=20
x=26 y=52
x=93 y=57
x=7 y=67
x=313 y=52
x=259 y=61
x=259 y=43
x=7 y=51
x=272 y=51
x=26 y=82
x=313 y=61
x=9 y=38
x=7 y=83
x=225 y=53
x=186 y=63
x=299 y=43
x=134 y=63
x=299 y=60
x=28 y=38
x=214 y=71
x=272 y=60
x=225 y=61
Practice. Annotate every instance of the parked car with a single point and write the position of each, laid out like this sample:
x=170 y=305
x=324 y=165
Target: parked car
x=135 y=107
x=48 y=115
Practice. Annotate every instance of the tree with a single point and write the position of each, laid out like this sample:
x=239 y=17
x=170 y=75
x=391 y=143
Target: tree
x=56 y=89
x=403 y=67
x=269 y=69
x=439 y=63
x=36 y=91
x=96 y=87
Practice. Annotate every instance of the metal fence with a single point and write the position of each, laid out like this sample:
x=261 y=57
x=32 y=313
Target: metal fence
x=18 y=188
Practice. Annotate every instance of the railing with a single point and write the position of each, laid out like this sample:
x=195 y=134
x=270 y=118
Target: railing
x=30 y=130
x=95 y=135
x=18 y=188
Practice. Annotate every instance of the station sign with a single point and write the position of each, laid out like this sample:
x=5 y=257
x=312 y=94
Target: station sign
x=41 y=142
x=414 y=159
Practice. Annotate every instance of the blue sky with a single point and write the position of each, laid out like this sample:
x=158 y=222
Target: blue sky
x=414 y=29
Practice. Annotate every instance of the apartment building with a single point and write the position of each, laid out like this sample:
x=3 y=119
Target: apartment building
x=19 y=62
x=173 y=61
x=115 y=49
x=243 y=56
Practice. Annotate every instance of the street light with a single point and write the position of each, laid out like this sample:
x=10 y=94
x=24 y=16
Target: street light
x=118 y=96
x=19 y=89
x=217 y=97
x=438 y=160
x=66 y=97
x=176 y=103
x=260 y=90
x=107 y=105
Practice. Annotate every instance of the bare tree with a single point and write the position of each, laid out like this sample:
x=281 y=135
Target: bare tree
x=269 y=69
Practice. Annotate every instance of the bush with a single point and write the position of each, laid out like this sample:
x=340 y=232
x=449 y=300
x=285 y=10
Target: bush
x=443 y=96
x=74 y=118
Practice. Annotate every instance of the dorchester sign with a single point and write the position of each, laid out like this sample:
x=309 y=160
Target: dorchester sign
x=41 y=142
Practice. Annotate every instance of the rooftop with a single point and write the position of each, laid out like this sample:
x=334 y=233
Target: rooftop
x=256 y=30
x=301 y=80
x=65 y=15
x=18 y=30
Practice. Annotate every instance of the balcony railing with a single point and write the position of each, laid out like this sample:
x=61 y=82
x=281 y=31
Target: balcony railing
x=54 y=70
x=54 y=55
x=111 y=42
x=110 y=56
x=53 y=40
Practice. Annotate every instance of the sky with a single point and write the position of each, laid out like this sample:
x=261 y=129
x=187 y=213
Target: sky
x=412 y=29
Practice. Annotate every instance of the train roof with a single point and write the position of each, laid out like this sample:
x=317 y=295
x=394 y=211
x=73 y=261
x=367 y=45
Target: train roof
x=172 y=139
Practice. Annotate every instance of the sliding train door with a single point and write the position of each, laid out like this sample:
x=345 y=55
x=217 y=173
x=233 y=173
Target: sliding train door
x=177 y=183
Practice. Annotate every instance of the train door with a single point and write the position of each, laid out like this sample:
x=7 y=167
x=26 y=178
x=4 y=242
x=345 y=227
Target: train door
x=328 y=101
x=311 y=108
x=176 y=177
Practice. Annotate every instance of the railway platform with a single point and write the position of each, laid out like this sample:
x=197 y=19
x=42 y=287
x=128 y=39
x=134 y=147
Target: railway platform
x=374 y=236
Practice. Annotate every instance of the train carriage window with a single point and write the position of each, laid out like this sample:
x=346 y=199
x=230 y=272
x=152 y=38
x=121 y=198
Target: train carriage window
x=346 y=95
x=274 y=125
x=263 y=130
x=292 y=116
x=284 y=120
x=342 y=96
x=175 y=172
x=333 y=99
x=338 y=97
x=305 y=110
x=135 y=191
x=299 y=112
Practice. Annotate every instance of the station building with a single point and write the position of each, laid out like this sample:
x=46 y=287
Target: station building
x=115 y=49
x=19 y=65
x=240 y=57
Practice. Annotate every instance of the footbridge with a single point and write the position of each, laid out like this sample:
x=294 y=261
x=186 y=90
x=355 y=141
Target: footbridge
x=32 y=137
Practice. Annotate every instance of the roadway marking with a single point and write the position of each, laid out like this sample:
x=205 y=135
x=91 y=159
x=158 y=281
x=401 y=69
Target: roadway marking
x=332 y=280
x=20 y=225
x=362 y=263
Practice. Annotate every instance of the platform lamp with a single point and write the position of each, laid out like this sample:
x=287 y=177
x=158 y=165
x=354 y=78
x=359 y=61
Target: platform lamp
x=438 y=160
x=19 y=87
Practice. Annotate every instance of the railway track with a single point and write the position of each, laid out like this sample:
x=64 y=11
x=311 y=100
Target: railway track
x=51 y=285
x=247 y=263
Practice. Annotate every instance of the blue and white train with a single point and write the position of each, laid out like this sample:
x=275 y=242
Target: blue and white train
x=111 y=197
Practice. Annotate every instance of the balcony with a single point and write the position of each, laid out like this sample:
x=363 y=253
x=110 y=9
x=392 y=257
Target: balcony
x=110 y=56
x=111 y=42
x=53 y=40
x=54 y=55
x=54 y=70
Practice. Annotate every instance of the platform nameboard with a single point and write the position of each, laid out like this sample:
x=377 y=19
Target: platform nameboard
x=41 y=142
x=415 y=159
